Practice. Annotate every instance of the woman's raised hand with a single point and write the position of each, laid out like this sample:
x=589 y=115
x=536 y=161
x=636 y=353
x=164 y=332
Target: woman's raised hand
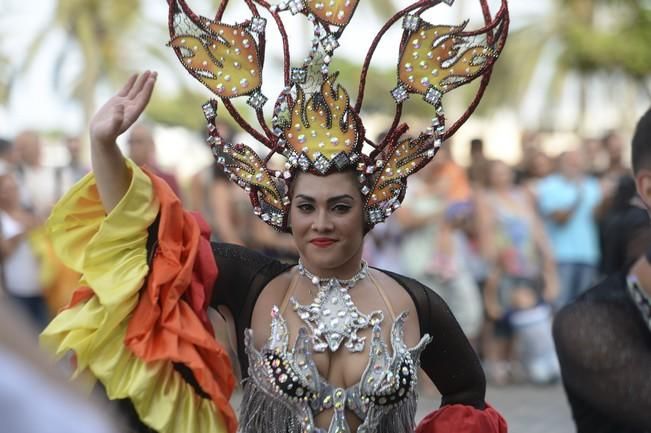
x=115 y=117
x=122 y=110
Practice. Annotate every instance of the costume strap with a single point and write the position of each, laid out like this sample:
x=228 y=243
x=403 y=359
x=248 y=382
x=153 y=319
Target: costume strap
x=383 y=295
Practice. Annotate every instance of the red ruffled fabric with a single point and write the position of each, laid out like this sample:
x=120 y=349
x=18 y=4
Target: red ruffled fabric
x=459 y=418
x=170 y=322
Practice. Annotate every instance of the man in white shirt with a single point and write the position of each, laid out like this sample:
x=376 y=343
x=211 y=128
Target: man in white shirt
x=40 y=186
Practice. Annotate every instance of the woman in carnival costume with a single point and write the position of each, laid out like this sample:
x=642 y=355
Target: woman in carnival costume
x=326 y=345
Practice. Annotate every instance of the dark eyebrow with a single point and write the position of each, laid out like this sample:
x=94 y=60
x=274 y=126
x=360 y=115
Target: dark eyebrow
x=305 y=197
x=330 y=200
x=340 y=197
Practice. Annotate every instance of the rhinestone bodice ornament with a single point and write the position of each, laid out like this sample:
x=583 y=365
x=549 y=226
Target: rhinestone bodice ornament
x=332 y=316
x=290 y=378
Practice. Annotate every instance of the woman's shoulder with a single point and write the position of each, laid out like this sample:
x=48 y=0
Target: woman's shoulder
x=241 y=254
x=411 y=285
x=427 y=303
x=247 y=270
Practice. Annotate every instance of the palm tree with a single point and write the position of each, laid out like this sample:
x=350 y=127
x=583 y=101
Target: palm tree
x=4 y=79
x=99 y=31
x=584 y=39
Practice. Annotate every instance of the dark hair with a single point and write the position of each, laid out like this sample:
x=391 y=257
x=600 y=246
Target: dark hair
x=5 y=146
x=641 y=154
x=477 y=144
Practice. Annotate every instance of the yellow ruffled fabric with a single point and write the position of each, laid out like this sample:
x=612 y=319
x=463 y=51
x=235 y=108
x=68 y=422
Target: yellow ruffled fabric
x=57 y=280
x=110 y=253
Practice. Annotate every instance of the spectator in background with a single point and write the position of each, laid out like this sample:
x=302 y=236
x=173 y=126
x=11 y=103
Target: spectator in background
x=142 y=150
x=7 y=153
x=382 y=244
x=478 y=162
x=567 y=202
x=451 y=184
x=595 y=156
x=21 y=267
x=530 y=145
x=613 y=144
x=538 y=167
x=6 y=162
x=514 y=244
x=40 y=186
x=529 y=319
x=432 y=250
x=75 y=167
x=214 y=197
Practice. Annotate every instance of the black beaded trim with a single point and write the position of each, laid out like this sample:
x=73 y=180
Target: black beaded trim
x=285 y=380
x=400 y=390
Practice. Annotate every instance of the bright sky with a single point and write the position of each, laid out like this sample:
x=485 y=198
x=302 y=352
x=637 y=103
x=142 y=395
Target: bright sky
x=35 y=103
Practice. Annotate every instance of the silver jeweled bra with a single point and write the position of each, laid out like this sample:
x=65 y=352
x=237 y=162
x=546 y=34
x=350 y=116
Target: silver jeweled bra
x=285 y=391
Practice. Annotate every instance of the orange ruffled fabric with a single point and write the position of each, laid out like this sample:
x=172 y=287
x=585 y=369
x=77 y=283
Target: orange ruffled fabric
x=459 y=418
x=123 y=325
x=170 y=321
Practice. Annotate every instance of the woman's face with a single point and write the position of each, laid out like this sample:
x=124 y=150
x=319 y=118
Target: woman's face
x=500 y=175
x=326 y=217
x=8 y=190
x=541 y=165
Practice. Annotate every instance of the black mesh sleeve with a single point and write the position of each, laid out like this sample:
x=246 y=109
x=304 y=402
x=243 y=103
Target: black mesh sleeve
x=605 y=353
x=449 y=360
x=242 y=274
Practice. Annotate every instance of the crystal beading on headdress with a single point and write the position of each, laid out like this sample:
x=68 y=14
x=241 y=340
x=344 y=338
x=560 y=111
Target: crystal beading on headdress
x=314 y=125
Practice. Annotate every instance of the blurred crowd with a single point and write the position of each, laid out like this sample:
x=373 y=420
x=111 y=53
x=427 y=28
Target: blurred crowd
x=506 y=246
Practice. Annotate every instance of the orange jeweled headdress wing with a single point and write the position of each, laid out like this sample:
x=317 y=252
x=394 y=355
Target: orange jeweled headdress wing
x=314 y=125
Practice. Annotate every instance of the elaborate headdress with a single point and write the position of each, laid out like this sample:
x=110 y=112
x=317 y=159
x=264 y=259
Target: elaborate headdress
x=315 y=126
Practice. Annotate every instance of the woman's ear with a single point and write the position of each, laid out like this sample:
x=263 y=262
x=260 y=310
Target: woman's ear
x=643 y=184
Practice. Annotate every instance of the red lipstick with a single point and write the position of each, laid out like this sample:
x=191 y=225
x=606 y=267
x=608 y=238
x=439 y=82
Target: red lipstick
x=322 y=242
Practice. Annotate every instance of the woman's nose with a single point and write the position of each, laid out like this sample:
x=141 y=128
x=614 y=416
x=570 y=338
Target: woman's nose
x=322 y=222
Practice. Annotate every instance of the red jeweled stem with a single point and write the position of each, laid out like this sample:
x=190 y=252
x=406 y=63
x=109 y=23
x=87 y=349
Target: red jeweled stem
x=285 y=40
x=244 y=124
x=227 y=103
x=501 y=18
x=376 y=41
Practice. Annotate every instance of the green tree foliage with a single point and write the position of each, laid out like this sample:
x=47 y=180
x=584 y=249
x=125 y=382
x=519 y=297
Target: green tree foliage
x=609 y=39
x=97 y=30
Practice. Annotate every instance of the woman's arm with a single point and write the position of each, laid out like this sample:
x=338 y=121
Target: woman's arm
x=449 y=360
x=543 y=246
x=485 y=221
x=111 y=120
x=410 y=220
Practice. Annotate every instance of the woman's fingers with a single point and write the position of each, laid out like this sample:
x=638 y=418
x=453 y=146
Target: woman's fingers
x=148 y=89
x=139 y=84
x=127 y=87
x=141 y=100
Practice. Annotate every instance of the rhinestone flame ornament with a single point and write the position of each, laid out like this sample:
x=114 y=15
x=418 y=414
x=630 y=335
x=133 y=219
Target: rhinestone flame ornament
x=314 y=124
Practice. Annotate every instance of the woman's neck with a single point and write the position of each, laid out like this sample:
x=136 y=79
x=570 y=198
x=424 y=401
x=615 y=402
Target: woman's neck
x=503 y=189
x=343 y=271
